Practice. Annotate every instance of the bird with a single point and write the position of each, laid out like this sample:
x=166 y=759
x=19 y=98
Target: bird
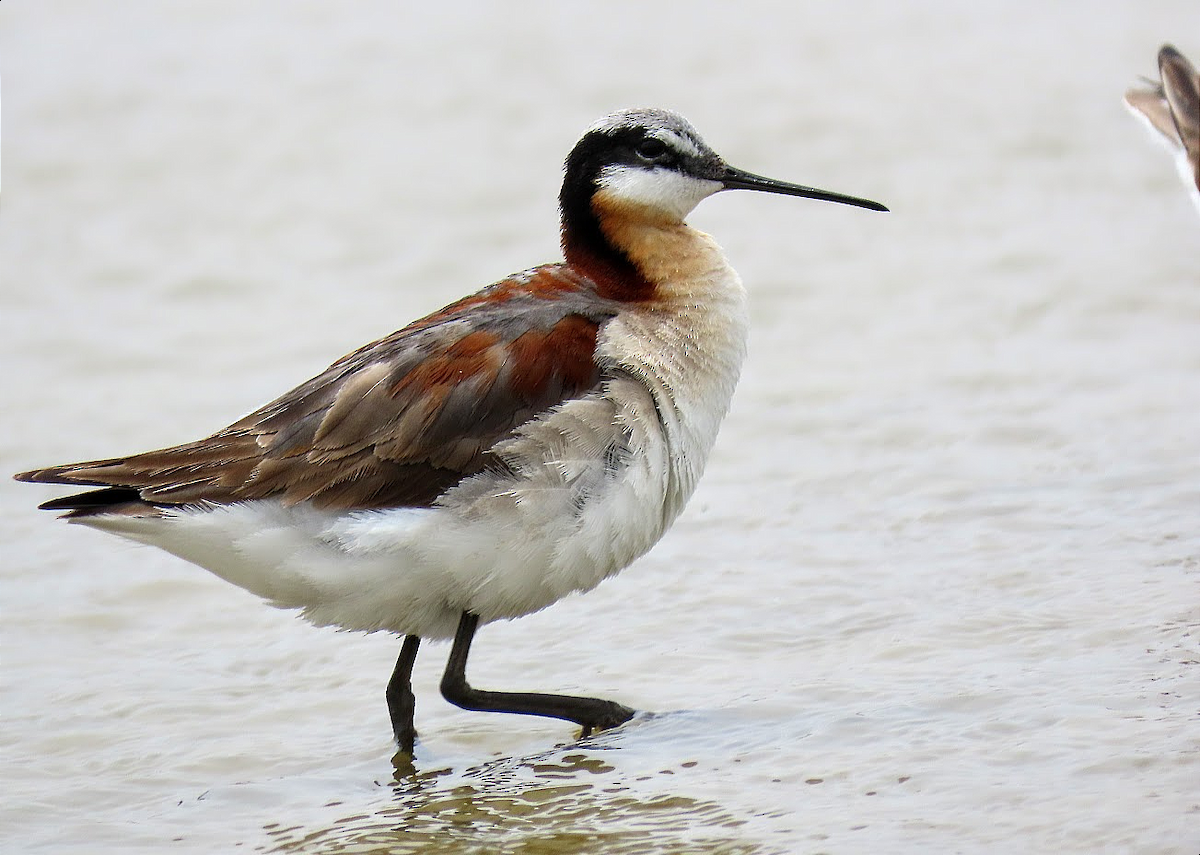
x=1170 y=108
x=523 y=443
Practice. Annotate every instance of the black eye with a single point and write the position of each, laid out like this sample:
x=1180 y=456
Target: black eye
x=651 y=149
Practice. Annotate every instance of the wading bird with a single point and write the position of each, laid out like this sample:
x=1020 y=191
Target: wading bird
x=479 y=464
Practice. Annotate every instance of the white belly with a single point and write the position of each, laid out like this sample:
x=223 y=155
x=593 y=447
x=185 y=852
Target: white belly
x=588 y=496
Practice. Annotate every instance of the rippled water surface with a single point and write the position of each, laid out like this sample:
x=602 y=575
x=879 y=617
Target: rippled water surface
x=939 y=590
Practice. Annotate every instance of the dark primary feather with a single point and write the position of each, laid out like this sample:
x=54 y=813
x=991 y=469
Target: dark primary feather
x=105 y=498
x=392 y=424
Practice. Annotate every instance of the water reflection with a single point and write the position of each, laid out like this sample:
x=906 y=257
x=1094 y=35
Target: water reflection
x=569 y=800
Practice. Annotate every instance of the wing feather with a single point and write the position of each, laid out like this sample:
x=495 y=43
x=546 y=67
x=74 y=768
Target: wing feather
x=395 y=423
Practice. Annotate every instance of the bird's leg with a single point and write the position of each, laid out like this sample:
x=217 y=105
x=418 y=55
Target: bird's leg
x=590 y=713
x=400 y=699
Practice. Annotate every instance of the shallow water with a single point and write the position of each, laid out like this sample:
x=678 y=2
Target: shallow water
x=940 y=587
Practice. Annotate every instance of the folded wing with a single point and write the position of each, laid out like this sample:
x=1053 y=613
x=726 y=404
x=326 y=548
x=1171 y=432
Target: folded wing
x=393 y=424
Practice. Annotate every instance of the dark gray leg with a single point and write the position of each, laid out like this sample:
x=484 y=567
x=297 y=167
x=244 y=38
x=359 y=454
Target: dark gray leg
x=400 y=700
x=590 y=713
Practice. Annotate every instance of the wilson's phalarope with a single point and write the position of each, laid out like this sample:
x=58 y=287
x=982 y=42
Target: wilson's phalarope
x=1171 y=109
x=520 y=444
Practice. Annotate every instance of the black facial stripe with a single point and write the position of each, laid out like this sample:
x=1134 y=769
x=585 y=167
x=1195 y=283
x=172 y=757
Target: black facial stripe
x=591 y=155
x=600 y=149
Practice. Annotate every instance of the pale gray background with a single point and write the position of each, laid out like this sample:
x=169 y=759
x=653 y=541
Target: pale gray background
x=939 y=588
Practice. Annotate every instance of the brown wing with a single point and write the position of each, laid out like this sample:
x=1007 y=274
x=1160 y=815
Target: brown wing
x=1181 y=90
x=393 y=424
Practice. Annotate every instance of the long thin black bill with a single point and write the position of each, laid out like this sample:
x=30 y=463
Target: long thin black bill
x=738 y=179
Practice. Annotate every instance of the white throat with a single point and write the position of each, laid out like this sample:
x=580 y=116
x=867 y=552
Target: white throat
x=658 y=188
